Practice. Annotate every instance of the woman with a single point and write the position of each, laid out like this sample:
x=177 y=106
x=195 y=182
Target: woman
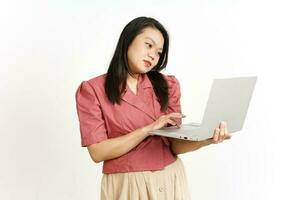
x=117 y=110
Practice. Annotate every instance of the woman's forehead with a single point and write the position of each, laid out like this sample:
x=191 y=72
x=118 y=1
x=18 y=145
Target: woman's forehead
x=153 y=35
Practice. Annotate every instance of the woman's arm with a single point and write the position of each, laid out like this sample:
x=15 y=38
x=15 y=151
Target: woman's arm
x=179 y=146
x=116 y=147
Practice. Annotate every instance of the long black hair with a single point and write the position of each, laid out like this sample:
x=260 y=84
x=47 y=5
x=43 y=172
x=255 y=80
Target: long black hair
x=118 y=70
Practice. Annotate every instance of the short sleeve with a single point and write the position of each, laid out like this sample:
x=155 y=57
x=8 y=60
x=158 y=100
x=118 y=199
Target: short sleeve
x=174 y=94
x=92 y=125
x=174 y=100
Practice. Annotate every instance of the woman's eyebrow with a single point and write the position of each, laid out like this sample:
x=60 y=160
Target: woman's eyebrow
x=153 y=41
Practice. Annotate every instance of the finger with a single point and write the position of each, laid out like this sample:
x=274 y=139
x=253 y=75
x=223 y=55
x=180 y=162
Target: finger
x=216 y=135
x=223 y=131
x=170 y=121
x=226 y=129
x=221 y=135
x=228 y=136
x=163 y=117
x=177 y=121
x=175 y=115
x=222 y=125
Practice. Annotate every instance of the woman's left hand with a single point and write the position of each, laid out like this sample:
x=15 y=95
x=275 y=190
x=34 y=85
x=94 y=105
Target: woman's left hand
x=220 y=134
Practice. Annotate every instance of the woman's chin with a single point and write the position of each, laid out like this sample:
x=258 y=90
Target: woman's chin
x=144 y=71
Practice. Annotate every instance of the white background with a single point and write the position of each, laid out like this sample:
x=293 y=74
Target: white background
x=49 y=47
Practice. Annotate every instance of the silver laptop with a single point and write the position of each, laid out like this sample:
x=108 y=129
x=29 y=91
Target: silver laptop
x=228 y=101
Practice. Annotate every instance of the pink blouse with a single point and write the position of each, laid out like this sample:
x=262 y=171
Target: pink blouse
x=100 y=120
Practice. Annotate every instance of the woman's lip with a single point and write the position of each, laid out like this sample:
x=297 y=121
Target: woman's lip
x=148 y=64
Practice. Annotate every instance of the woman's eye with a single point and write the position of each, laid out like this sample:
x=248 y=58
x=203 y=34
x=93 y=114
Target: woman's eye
x=149 y=45
x=159 y=53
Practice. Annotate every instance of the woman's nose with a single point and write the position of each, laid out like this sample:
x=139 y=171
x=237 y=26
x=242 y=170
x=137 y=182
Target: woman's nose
x=151 y=54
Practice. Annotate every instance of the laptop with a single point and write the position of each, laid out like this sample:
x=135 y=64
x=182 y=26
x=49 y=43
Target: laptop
x=228 y=101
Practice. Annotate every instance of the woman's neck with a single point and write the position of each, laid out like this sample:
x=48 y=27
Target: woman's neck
x=132 y=82
x=132 y=78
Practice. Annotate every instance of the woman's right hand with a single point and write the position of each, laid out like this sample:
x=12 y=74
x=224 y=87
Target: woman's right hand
x=162 y=121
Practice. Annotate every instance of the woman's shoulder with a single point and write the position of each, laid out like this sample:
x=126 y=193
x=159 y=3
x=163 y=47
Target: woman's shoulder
x=171 y=80
x=92 y=85
x=96 y=81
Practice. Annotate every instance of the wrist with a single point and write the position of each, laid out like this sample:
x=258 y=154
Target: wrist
x=147 y=129
x=208 y=142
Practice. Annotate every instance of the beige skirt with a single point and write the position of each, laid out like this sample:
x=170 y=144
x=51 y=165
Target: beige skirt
x=167 y=184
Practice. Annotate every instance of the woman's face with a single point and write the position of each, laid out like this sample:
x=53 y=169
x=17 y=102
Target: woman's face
x=145 y=50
